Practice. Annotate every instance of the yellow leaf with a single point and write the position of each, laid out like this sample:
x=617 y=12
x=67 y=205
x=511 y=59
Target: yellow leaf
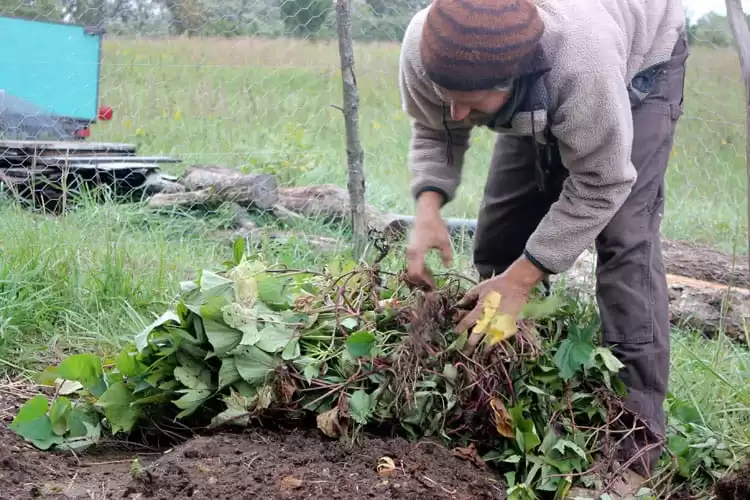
x=503 y=422
x=496 y=326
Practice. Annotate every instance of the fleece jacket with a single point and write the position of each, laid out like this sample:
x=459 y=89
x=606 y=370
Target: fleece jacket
x=593 y=49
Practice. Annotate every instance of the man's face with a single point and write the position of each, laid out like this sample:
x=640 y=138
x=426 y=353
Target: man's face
x=483 y=101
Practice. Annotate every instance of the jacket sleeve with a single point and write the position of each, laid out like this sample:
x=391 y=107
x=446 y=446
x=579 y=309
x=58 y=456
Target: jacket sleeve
x=438 y=144
x=592 y=122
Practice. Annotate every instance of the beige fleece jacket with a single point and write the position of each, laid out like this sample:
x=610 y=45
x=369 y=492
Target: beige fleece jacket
x=595 y=48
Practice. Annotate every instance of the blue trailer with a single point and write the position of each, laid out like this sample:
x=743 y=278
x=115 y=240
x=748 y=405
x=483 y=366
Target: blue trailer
x=49 y=80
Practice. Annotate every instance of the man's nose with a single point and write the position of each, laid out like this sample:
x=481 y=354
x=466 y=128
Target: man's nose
x=459 y=111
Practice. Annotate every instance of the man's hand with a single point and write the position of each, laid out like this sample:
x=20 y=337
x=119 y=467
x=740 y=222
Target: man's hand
x=514 y=287
x=429 y=232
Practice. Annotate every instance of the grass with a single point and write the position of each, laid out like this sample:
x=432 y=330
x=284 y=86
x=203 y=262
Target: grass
x=90 y=279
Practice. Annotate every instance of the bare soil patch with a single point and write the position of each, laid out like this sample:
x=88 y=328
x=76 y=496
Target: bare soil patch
x=273 y=464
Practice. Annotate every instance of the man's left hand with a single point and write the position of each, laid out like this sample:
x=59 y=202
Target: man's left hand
x=514 y=287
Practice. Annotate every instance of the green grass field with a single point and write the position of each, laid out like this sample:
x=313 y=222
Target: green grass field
x=96 y=276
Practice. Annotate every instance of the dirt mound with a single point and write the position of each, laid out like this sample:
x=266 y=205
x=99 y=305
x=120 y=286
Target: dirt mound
x=735 y=486
x=258 y=464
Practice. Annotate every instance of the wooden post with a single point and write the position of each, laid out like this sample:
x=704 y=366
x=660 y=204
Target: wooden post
x=741 y=34
x=354 y=152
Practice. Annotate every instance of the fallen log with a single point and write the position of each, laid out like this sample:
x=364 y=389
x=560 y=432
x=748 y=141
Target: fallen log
x=328 y=203
x=211 y=186
x=706 y=305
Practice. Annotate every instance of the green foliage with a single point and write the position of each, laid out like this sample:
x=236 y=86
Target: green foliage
x=357 y=348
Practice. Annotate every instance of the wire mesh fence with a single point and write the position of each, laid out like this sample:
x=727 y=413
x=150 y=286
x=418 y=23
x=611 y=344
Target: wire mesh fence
x=255 y=85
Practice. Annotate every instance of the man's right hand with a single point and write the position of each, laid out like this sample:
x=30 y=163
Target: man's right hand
x=429 y=232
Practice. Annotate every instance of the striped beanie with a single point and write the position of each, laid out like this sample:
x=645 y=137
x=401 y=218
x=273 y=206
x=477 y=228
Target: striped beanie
x=477 y=44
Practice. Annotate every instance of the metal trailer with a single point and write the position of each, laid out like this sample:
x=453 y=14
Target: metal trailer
x=49 y=80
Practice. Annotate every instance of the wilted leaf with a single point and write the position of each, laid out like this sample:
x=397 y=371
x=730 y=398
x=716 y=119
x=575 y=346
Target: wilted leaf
x=328 y=422
x=470 y=453
x=386 y=466
x=289 y=483
x=67 y=387
x=503 y=422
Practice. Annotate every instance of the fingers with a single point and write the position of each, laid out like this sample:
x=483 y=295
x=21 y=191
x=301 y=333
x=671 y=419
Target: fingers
x=416 y=270
x=469 y=320
x=470 y=298
x=446 y=252
x=472 y=343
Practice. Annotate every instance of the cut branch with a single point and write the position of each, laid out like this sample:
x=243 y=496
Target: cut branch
x=354 y=153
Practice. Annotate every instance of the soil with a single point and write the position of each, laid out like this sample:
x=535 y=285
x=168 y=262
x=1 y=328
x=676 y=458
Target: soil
x=254 y=464
x=735 y=486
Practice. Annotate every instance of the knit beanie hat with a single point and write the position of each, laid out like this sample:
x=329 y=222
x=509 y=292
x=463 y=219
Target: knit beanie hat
x=477 y=44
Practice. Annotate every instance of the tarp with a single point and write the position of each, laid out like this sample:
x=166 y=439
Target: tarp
x=23 y=120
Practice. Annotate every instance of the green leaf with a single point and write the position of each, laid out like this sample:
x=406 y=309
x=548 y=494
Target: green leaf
x=118 y=406
x=210 y=281
x=274 y=338
x=291 y=351
x=360 y=406
x=34 y=425
x=58 y=415
x=142 y=339
x=526 y=435
x=253 y=364
x=222 y=337
x=272 y=290
x=191 y=400
x=574 y=352
x=541 y=309
x=193 y=380
x=228 y=373
x=126 y=362
x=86 y=369
x=613 y=364
x=238 y=250
x=359 y=344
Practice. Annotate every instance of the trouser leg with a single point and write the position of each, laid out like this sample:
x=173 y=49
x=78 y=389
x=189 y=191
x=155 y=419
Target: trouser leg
x=631 y=281
x=512 y=205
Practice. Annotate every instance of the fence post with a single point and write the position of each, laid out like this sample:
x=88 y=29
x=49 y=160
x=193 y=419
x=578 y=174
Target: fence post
x=741 y=33
x=354 y=152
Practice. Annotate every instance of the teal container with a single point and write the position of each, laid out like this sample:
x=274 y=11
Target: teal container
x=52 y=65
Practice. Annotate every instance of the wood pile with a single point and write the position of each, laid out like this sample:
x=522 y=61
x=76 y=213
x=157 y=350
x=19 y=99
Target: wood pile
x=45 y=175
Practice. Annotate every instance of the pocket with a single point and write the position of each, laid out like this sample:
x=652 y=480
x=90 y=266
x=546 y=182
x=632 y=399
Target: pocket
x=641 y=86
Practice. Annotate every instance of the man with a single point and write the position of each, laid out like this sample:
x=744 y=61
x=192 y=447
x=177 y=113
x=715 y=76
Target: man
x=603 y=81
